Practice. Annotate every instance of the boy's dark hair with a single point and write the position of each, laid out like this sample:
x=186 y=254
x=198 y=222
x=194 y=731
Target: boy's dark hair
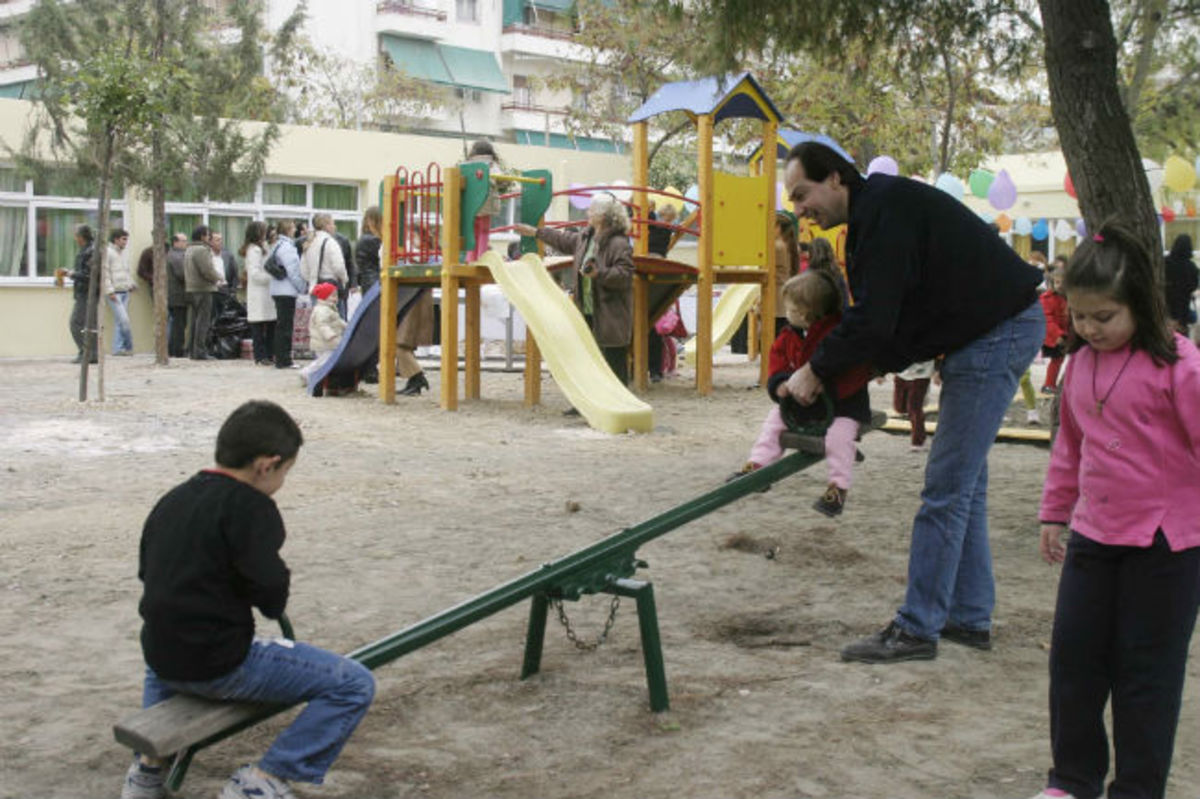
x=199 y=233
x=1115 y=262
x=116 y=234
x=85 y=232
x=482 y=147
x=257 y=428
x=819 y=160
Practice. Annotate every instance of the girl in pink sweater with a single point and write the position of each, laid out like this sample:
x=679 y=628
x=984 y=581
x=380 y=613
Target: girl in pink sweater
x=1122 y=483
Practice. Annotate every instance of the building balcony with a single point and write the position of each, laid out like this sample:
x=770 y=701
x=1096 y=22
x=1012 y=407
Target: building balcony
x=411 y=9
x=552 y=42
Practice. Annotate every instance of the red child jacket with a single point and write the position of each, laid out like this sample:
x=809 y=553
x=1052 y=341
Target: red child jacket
x=1054 y=305
x=792 y=350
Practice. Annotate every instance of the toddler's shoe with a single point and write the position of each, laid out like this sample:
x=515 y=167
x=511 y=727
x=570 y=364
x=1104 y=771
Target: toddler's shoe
x=831 y=502
x=251 y=783
x=1053 y=793
x=1032 y=417
x=144 y=782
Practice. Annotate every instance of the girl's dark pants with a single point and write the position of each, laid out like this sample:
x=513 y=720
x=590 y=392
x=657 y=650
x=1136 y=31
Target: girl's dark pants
x=1122 y=624
x=262 y=334
x=285 y=318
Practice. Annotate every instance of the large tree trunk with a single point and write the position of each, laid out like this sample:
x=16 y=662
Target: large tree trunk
x=93 y=341
x=158 y=194
x=1093 y=126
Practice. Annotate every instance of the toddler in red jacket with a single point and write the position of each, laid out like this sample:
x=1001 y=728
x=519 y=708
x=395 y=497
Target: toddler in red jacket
x=812 y=302
x=1054 y=347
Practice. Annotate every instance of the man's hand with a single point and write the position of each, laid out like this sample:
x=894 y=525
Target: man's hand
x=1052 y=546
x=804 y=385
x=781 y=390
x=525 y=230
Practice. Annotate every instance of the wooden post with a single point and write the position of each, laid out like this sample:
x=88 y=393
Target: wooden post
x=641 y=246
x=533 y=370
x=770 y=303
x=451 y=246
x=704 y=281
x=387 y=298
x=472 y=342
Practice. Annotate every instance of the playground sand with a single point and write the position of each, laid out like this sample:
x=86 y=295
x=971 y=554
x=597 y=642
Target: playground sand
x=395 y=513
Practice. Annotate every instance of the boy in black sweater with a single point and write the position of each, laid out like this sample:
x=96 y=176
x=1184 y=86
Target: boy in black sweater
x=209 y=553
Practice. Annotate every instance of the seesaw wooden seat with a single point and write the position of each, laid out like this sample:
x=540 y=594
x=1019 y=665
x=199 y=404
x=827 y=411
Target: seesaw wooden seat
x=183 y=721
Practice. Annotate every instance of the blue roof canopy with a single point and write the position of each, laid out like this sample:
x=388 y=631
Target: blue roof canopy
x=790 y=138
x=726 y=97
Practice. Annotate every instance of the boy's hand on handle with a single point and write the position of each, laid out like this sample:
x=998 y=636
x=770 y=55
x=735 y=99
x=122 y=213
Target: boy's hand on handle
x=525 y=230
x=781 y=390
x=804 y=385
x=1052 y=546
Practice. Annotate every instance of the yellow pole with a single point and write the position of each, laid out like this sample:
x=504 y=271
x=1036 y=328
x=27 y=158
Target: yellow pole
x=472 y=342
x=387 y=299
x=533 y=355
x=641 y=245
x=704 y=282
x=451 y=213
x=770 y=303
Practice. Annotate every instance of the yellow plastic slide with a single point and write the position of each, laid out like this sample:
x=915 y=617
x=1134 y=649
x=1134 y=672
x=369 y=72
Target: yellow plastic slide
x=568 y=347
x=735 y=302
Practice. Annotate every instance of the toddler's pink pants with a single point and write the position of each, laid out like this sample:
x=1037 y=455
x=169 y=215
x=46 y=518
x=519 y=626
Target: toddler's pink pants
x=839 y=446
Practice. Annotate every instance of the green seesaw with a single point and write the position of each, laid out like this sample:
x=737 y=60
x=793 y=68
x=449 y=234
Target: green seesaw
x=182 y=725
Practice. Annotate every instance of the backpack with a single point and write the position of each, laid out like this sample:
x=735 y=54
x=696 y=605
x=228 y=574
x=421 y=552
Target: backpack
x=273 y=265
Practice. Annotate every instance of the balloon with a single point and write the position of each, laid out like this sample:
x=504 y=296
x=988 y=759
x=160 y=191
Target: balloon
x=1197 y=165
x=1154 y=174
x=580 y=201
x=781 y=200
x=987 y=216
x=1190 y=207
x=1022 y=226
x=1063 y=230
x=1177 y=207
x=1041 y=230
x=693 y=194
x=950 y=184
x=1178 y=175
x=622 y=195
x=919 y=178
x=883 y=165
x=1003 y=222
x=1069 y=185
x=1080 y=228
x=1002 y=194
x=1167 y=214
x=980 y=180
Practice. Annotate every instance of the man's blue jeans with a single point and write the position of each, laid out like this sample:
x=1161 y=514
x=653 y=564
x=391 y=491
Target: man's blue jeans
x=950 y=560
x=338 y=691
x=122 y=331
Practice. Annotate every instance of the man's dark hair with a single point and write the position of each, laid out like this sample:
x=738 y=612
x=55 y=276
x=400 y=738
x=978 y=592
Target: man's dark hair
x=257 y=428
x=819 y=161
x=85 y=232
x=117 y=234
x=200 y=232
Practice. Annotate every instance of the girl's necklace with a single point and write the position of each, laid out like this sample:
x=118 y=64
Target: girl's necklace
x=1095 y=368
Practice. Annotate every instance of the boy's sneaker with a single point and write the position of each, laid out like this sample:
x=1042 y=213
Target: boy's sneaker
x=831 y=502
x=1054 y=793
x=1032 y=417
x=249 y=782
x=144 y=782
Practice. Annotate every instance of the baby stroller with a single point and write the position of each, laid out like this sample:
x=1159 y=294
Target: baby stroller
x=228 y=329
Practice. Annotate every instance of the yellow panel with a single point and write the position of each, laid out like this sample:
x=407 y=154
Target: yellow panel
x=739 y=220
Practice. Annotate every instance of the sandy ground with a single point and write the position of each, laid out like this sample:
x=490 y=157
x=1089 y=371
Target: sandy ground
x=397 y=512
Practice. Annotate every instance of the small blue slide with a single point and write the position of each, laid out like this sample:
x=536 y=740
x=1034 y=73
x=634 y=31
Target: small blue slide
x=359 y=348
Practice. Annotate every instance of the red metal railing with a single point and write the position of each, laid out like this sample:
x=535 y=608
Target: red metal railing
x=416 y=207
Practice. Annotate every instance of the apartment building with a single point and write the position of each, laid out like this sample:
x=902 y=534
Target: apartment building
x=488 y=54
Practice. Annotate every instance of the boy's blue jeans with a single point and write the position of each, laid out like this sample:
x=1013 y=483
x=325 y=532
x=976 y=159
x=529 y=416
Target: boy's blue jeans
x=950 y=560
x=338 y=691
x=122 y=331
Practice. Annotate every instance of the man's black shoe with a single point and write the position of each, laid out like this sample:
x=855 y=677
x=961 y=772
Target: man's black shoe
x=976 y=639
x=890 y=645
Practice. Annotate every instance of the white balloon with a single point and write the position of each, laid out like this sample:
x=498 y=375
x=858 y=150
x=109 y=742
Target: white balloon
x=623 y=195
x=1064 y=230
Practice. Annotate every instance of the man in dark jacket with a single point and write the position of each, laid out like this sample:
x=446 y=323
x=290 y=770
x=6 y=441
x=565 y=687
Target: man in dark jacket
x=1181 y=282
x=176 y=297
x=81 y=280
x=929 y=279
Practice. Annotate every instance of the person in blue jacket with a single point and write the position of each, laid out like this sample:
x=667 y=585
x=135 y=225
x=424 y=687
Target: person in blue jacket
x=929 y=278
